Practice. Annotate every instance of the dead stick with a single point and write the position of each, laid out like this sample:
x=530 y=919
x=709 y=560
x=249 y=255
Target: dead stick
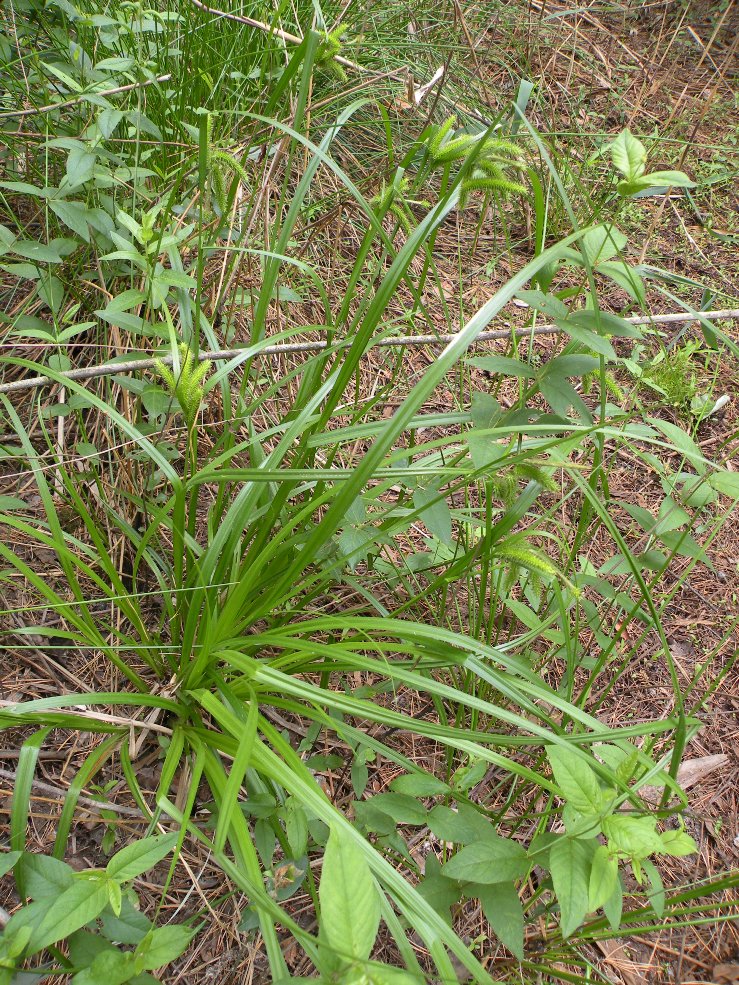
x=401 y=341
x=87 y=802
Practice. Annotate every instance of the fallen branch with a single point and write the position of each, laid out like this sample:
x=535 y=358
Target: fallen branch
x=401 y=341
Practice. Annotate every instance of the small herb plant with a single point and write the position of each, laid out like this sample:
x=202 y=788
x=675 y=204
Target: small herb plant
x=87 y=922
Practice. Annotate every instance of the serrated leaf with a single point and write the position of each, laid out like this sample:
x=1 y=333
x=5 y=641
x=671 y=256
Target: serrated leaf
x=636 y=837
x=504 y=913
x=494 y=860
x=350 y=902
x=139 y=857
x=569 y=864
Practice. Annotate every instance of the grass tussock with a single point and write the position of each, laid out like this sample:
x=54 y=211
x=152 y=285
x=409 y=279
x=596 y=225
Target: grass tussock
x=366 y=662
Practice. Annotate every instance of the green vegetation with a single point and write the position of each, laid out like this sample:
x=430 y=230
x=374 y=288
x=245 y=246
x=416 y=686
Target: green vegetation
x=365 y=622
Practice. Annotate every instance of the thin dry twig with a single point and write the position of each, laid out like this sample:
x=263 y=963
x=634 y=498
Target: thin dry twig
x=35 y=110
x=87 y=802
x=401 y=341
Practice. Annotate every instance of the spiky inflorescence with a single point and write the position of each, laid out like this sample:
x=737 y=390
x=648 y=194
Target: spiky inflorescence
x=187 y=384
x=329 y=47
x=220 y=162
x=533 y=560
x=493 y=157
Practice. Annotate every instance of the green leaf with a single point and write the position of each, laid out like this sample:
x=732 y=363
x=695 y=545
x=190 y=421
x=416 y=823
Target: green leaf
x=39 y=252
x=45 y=875
x=434 y=511
x=459 y=827
x=613 y=906
x=672 y=179
x=85 y=945
x=419 y=785
x=350 y=902
x=110 y=967
x=569 y=864
x=676 y=843
x=602 y=243
x=503 y=911
x=438 y=891
x=604 y=323
x=548 y=304
x=80 y=166
x=603 y=878
x=623 y=274
x=589 y=339
x=139 y=857
x=670 y=517
x=82 y=902
x=373 y=973
x=560 y=394
x=51 y=291
x=636 y=837
x=658 y=181
x=485 y=410
x=8 y=859
x=130 y=927
x=726 y=483
x=494 y=860
x=657 y=893
x=359 y=777
x=162 y=945
x=76 y=215
x=402 y=808
x=108 y=120
x=503 y=365
x=628 y=155
x=682 y=442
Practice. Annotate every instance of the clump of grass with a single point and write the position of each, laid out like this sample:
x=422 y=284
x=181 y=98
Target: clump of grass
x=209 y=590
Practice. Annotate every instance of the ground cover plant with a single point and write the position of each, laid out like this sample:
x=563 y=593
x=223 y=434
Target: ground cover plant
x=319 y=646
